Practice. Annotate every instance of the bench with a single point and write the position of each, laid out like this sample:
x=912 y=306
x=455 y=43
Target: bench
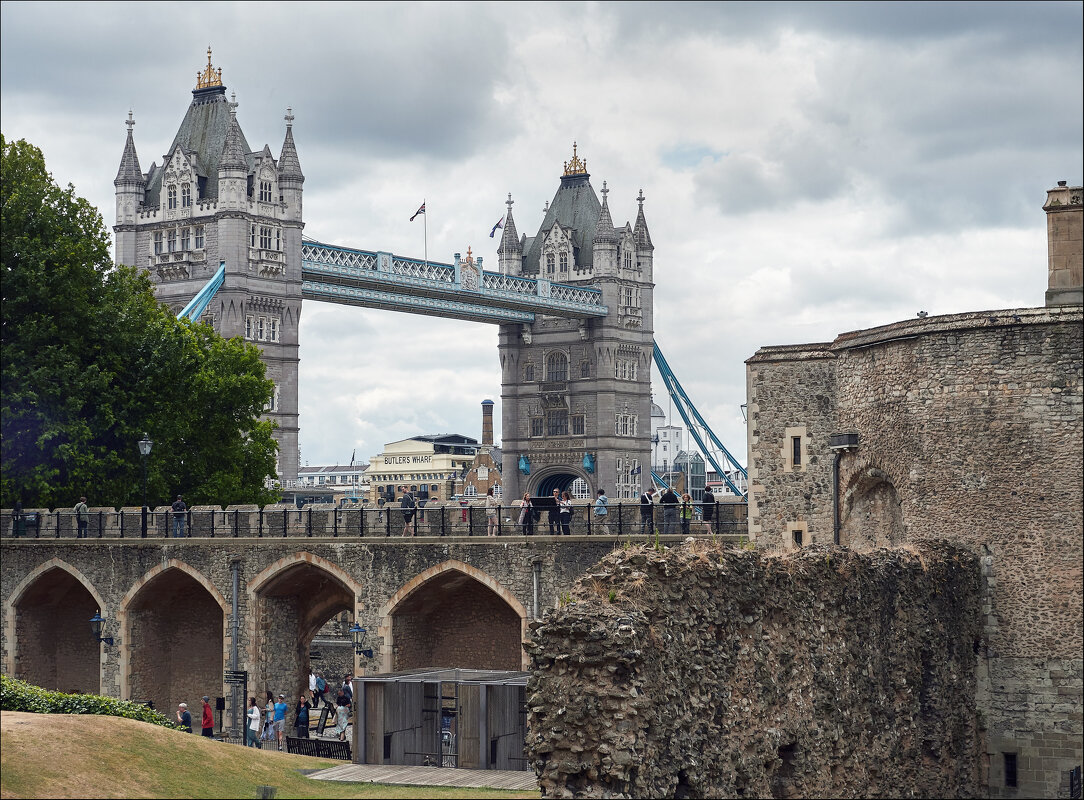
x=318 y=748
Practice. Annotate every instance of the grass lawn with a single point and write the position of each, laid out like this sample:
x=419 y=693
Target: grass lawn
x=61 y=755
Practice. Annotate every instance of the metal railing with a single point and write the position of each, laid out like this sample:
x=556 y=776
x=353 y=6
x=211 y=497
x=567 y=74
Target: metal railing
x=326 y=521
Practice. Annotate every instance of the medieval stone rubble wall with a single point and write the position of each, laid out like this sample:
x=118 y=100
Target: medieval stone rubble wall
x=706 y=671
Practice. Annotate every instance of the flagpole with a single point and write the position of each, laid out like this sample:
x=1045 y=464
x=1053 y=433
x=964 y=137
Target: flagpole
x=425 y=235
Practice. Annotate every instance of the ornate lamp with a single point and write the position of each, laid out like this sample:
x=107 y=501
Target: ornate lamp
x=359 y=635
x=145 y=445
x=96 y=623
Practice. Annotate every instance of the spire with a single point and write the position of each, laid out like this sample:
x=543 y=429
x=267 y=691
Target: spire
x=604 y=229
x=210 y=77
x=510 y=242
x=233 y=153
x=289 y=165
x=640 y=232
x=129 y=172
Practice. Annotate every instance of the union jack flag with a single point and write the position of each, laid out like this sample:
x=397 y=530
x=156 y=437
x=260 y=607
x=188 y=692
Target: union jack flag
x=421 y=210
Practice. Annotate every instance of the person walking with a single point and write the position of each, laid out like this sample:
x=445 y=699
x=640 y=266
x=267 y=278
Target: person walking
x=180 y=511
x=647 y=513
x=554 y=513
x=601 y=511
x=82 y=518
x=208 y=718
x=493 y=505
x=268 y=734
x=301 y=718
x=669 y=502
x=312 y=684
x=280 y=719
x=526 y=515
x=407 y=504
x=348 y=689
x=708 y=509
x=184 y=717
x=342 y=719
x=566 y=514
x=686 y=512
x=252 y=729
x=321 y=687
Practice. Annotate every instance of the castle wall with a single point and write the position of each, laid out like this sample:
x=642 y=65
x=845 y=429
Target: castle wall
x=709 y=672
x=970 y=430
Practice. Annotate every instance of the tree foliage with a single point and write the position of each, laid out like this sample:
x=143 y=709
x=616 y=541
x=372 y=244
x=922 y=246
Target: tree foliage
x=91 y=361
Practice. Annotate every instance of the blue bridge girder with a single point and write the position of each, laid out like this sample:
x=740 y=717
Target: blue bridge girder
x=348 y=276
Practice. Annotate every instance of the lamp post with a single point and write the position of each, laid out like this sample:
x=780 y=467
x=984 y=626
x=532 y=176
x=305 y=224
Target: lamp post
x=359 y=635
x=145 y=445
x=96 y=623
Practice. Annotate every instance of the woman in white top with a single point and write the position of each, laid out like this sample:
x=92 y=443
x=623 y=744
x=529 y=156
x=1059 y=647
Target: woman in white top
x=491 y=511
x=566 y=513
x=252 y=732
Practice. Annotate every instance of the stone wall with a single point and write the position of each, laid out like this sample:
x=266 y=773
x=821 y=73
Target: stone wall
x=711 y=672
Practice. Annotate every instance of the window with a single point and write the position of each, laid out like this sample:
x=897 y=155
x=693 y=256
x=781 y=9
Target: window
x=528 y=373
x=273 y=406
x=469 y=490
x=171 y=197
x=579 y=489
x=278 y=238
x=259 y=328
x=796 y=450
x=186 y=239
x=536 y=426
x=556 y=367
x=628 y=260
x=796 y=535
x=578 y=425
x=564 y=262
x=497 y=491
x=252 y=236
x=171 y=241
x=248 y=327
x=265 y=191
x=273 y=329
x=265 y=238
x=585 y=369
x=557 y=423
x=1010 y=769
x=157 y=243
x=549 y=263
x=625 y=425
x=186 y=195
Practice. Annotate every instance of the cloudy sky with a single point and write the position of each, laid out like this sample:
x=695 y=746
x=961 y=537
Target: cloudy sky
x=809 y=168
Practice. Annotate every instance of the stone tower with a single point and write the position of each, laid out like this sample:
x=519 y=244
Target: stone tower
x=1065 y=245
x=576 y=394
x=216 y=201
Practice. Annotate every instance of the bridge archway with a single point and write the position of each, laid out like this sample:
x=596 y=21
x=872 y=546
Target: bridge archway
x=172 y=646
x=453 y=615
x=871 y=513
x=292 y=599
x=48 y=626
x=561 y=480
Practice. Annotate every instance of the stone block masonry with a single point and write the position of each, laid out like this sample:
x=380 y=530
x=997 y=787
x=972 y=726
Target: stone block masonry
x=711 y=672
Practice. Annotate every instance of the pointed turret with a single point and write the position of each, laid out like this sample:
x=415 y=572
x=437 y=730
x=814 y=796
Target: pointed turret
x=510 y=250
x=129 y=173
x=604 y=230
x=233 y=153
x=130 y=191
x=640 y=232
x=605 y=243
x=291 y=180
x=233 y=166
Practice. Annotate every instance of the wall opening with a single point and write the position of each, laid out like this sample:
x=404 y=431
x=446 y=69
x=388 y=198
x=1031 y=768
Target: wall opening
x=174 y=640
x=871 y=514
x=54 y=646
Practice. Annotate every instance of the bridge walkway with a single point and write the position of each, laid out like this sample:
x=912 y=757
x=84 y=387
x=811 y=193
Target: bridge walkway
x=429 y=776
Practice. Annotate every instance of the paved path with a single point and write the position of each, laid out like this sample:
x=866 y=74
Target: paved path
x=429 y=776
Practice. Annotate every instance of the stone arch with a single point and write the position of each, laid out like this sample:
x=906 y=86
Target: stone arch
x=452 y=615
x=870 y=512
x=47 y=626
x=560 y=477
x=292 y=601
x=172 y=644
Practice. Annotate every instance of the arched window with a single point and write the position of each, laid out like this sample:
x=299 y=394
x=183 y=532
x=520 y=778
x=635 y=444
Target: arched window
x=186 y=239
x=628 y=260
x=549 y=263
x=186 y=195
x=171 y=197
x=265 y=191
x=556 y=367
x=564 y=262
x=528 y=373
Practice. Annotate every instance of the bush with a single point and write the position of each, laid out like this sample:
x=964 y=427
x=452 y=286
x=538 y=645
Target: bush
x=16 y=695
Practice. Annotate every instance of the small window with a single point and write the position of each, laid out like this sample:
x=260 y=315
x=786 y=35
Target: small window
x=796 y=450
x=578 y=425
x=549 y=263
x=1010 y=769
x=171 y=241
x=628 y=260
x=556 y=367
x=259 y=328
x=585 y=369
x=796 y=534
x=186 y=239
x=158 y=243
x=252 y=236
x=265 y=238
x=273 y=329
x=564 y=262
x=528 y=373
x=186 y=195
x=199 y=237
x=557 y=423
x=171 y=197
x=278 y=238
x=265 y=191
x=248 y=327
x=536 y=426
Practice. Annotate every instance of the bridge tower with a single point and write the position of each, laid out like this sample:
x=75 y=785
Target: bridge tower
x=216 y=200
x=576 y=394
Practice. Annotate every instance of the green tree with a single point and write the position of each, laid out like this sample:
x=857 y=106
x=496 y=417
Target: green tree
x=91 y=361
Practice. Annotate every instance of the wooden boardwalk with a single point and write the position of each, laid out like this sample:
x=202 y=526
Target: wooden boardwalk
x=429 y=776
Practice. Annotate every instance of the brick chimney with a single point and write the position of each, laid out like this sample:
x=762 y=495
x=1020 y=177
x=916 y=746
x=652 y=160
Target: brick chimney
x=487 y=424
x=1065 y=245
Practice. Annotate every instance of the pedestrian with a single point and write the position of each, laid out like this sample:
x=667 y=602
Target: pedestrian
x=301 y=719
x=601 y=511
x=566 y=514
x=252 y=730
x=184 y=717
x=492 y=507
x=342 y=719
x=321 y=687
x=280 y=719
x=686 y=512
x=180 y=510
x=208 y=718
x=18 y=525
x=669 y=502
x=268 y=734
x=555 y=513
x=647 y=513
x=526 y=515
x=708 y=509
x=312 y=683
x=407 y=504
x=348 y=689
x=82 y=518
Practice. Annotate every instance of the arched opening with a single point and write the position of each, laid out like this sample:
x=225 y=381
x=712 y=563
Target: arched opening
x=53 y=641
x=453 y=620
x=561 y=481
x=871 y=513
x=174 y=630
x=293 y=605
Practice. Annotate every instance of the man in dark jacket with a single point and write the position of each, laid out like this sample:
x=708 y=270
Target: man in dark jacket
x=669 y=502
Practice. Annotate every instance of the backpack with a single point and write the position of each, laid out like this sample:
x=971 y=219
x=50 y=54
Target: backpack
x=407 y=501
x=321 y=684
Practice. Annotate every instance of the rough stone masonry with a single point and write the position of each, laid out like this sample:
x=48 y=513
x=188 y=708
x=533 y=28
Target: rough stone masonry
x=706 y=671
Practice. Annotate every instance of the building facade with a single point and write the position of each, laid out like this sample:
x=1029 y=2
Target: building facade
x=435 y=465
x=576 y=394
x=216 y=201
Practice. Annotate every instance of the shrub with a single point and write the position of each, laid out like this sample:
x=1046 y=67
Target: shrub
x=16 y=695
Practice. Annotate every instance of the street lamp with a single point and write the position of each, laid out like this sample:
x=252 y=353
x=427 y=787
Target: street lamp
x=145 y=445
x=359 y=635
x=96 y=623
